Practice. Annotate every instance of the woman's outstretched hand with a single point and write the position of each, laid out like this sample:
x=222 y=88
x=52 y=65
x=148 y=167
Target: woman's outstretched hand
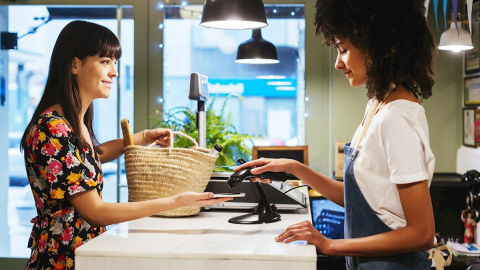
x=198 y=199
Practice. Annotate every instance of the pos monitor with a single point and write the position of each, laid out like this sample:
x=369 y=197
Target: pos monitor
x=327 y=217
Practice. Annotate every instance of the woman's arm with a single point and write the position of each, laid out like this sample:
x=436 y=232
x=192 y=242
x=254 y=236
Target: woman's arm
x=111 y=150
x=114 y=148
x=418 y=234
x=329 y=188
x=99 y=213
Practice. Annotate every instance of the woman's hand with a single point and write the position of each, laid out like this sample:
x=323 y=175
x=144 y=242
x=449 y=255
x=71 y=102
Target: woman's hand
x=198 y=199
x=114 y=148
x=305 y=231
x=99 y=213
x=159 y=135
x=269 y=165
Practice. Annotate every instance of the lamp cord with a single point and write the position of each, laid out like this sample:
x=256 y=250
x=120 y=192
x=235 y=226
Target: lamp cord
x=283 y=194
x=33 y=30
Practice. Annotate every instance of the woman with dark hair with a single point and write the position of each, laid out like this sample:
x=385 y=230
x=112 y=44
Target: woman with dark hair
x=63 y=158
x=387 y=46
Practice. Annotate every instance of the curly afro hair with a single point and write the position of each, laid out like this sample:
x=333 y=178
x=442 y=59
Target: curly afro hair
x=394 y=35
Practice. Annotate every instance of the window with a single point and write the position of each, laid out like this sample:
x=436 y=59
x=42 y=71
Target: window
x=273 y=94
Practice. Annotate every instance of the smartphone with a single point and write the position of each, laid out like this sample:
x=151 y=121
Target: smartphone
x=221 y=195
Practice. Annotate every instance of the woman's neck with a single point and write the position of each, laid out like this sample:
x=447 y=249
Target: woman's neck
x=400 y=92
x=82 y=113
x=58 y=108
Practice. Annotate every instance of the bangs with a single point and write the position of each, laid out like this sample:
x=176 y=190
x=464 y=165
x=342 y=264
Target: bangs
x=108 y=45
x=99 y=40
x=111 y=48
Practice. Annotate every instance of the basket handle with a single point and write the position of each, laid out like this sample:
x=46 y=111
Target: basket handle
x=171 y=138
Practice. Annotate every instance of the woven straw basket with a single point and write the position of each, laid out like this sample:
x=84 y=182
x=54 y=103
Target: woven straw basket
x=154 y=172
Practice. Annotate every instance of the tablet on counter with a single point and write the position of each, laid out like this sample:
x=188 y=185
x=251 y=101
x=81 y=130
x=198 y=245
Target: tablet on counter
x=220 y=195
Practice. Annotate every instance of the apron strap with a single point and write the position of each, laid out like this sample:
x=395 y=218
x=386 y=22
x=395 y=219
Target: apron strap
x=368 y=120
x=372 y=111
x=437 y=256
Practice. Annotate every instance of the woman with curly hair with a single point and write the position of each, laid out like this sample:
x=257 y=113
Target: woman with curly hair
x=387 y=46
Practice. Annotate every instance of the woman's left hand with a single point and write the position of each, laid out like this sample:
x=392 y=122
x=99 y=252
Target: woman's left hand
x=305 y=231
x=159 y=135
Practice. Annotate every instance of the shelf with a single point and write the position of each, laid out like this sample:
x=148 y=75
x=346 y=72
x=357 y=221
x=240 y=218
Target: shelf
x=448 y=180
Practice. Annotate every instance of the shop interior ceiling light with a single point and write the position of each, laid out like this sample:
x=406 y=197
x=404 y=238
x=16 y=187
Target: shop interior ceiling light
x=234 y=14
x=257 y=50
x=454 y=40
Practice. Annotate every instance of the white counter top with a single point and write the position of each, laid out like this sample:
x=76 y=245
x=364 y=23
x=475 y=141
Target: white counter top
x=204 y=241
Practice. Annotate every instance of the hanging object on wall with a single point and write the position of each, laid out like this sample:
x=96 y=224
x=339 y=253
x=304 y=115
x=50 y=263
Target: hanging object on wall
x=455 y=17
x=435 y=9
x=233 y=14
x=469 y=14
x=454 y=10
x=9 y=41
x=257 y=50
x=455 y=38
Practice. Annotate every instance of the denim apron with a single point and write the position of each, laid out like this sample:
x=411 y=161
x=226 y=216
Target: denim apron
x=362 y=221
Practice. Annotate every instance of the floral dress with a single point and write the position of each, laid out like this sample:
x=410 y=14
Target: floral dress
x=58 y=167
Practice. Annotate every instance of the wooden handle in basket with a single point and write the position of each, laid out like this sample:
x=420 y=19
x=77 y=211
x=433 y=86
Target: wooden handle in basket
x=127 y=135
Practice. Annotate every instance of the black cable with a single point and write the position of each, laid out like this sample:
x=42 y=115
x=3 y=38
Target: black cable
x=286 y=193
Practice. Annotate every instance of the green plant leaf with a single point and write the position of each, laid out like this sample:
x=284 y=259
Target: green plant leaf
x=220 y=130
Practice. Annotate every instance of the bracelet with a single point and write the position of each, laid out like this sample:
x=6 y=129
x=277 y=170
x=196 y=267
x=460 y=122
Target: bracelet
x=144 y=136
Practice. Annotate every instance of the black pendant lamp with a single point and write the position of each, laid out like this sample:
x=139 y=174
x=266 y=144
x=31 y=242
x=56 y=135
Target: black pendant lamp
x=233 y=14
x=257 y=51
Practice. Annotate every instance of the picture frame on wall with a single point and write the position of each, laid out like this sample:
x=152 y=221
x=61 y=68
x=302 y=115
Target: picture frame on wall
x=471 y=91
x=472 y=57
x=469 y=127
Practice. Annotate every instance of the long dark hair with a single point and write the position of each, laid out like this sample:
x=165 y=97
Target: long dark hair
x=77 y=39
x=394 y=35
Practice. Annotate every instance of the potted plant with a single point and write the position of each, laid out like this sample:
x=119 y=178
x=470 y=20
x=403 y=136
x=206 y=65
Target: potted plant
x=220 y=130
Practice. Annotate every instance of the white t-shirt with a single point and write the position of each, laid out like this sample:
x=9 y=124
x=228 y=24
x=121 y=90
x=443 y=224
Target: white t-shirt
x=395 y=150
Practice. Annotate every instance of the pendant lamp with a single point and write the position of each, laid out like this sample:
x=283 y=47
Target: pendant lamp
x=234 y=14
x=454 y=40
x=257 y=50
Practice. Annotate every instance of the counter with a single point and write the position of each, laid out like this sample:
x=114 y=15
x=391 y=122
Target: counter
x=204 y=241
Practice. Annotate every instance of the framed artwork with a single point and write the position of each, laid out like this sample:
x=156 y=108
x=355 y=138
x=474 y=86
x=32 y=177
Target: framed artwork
x=298 y=153
x=472 y=57
x=469 y=127
x=471 y=91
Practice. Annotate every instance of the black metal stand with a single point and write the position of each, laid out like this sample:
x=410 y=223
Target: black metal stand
x=201 y=124
x=262 y=214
